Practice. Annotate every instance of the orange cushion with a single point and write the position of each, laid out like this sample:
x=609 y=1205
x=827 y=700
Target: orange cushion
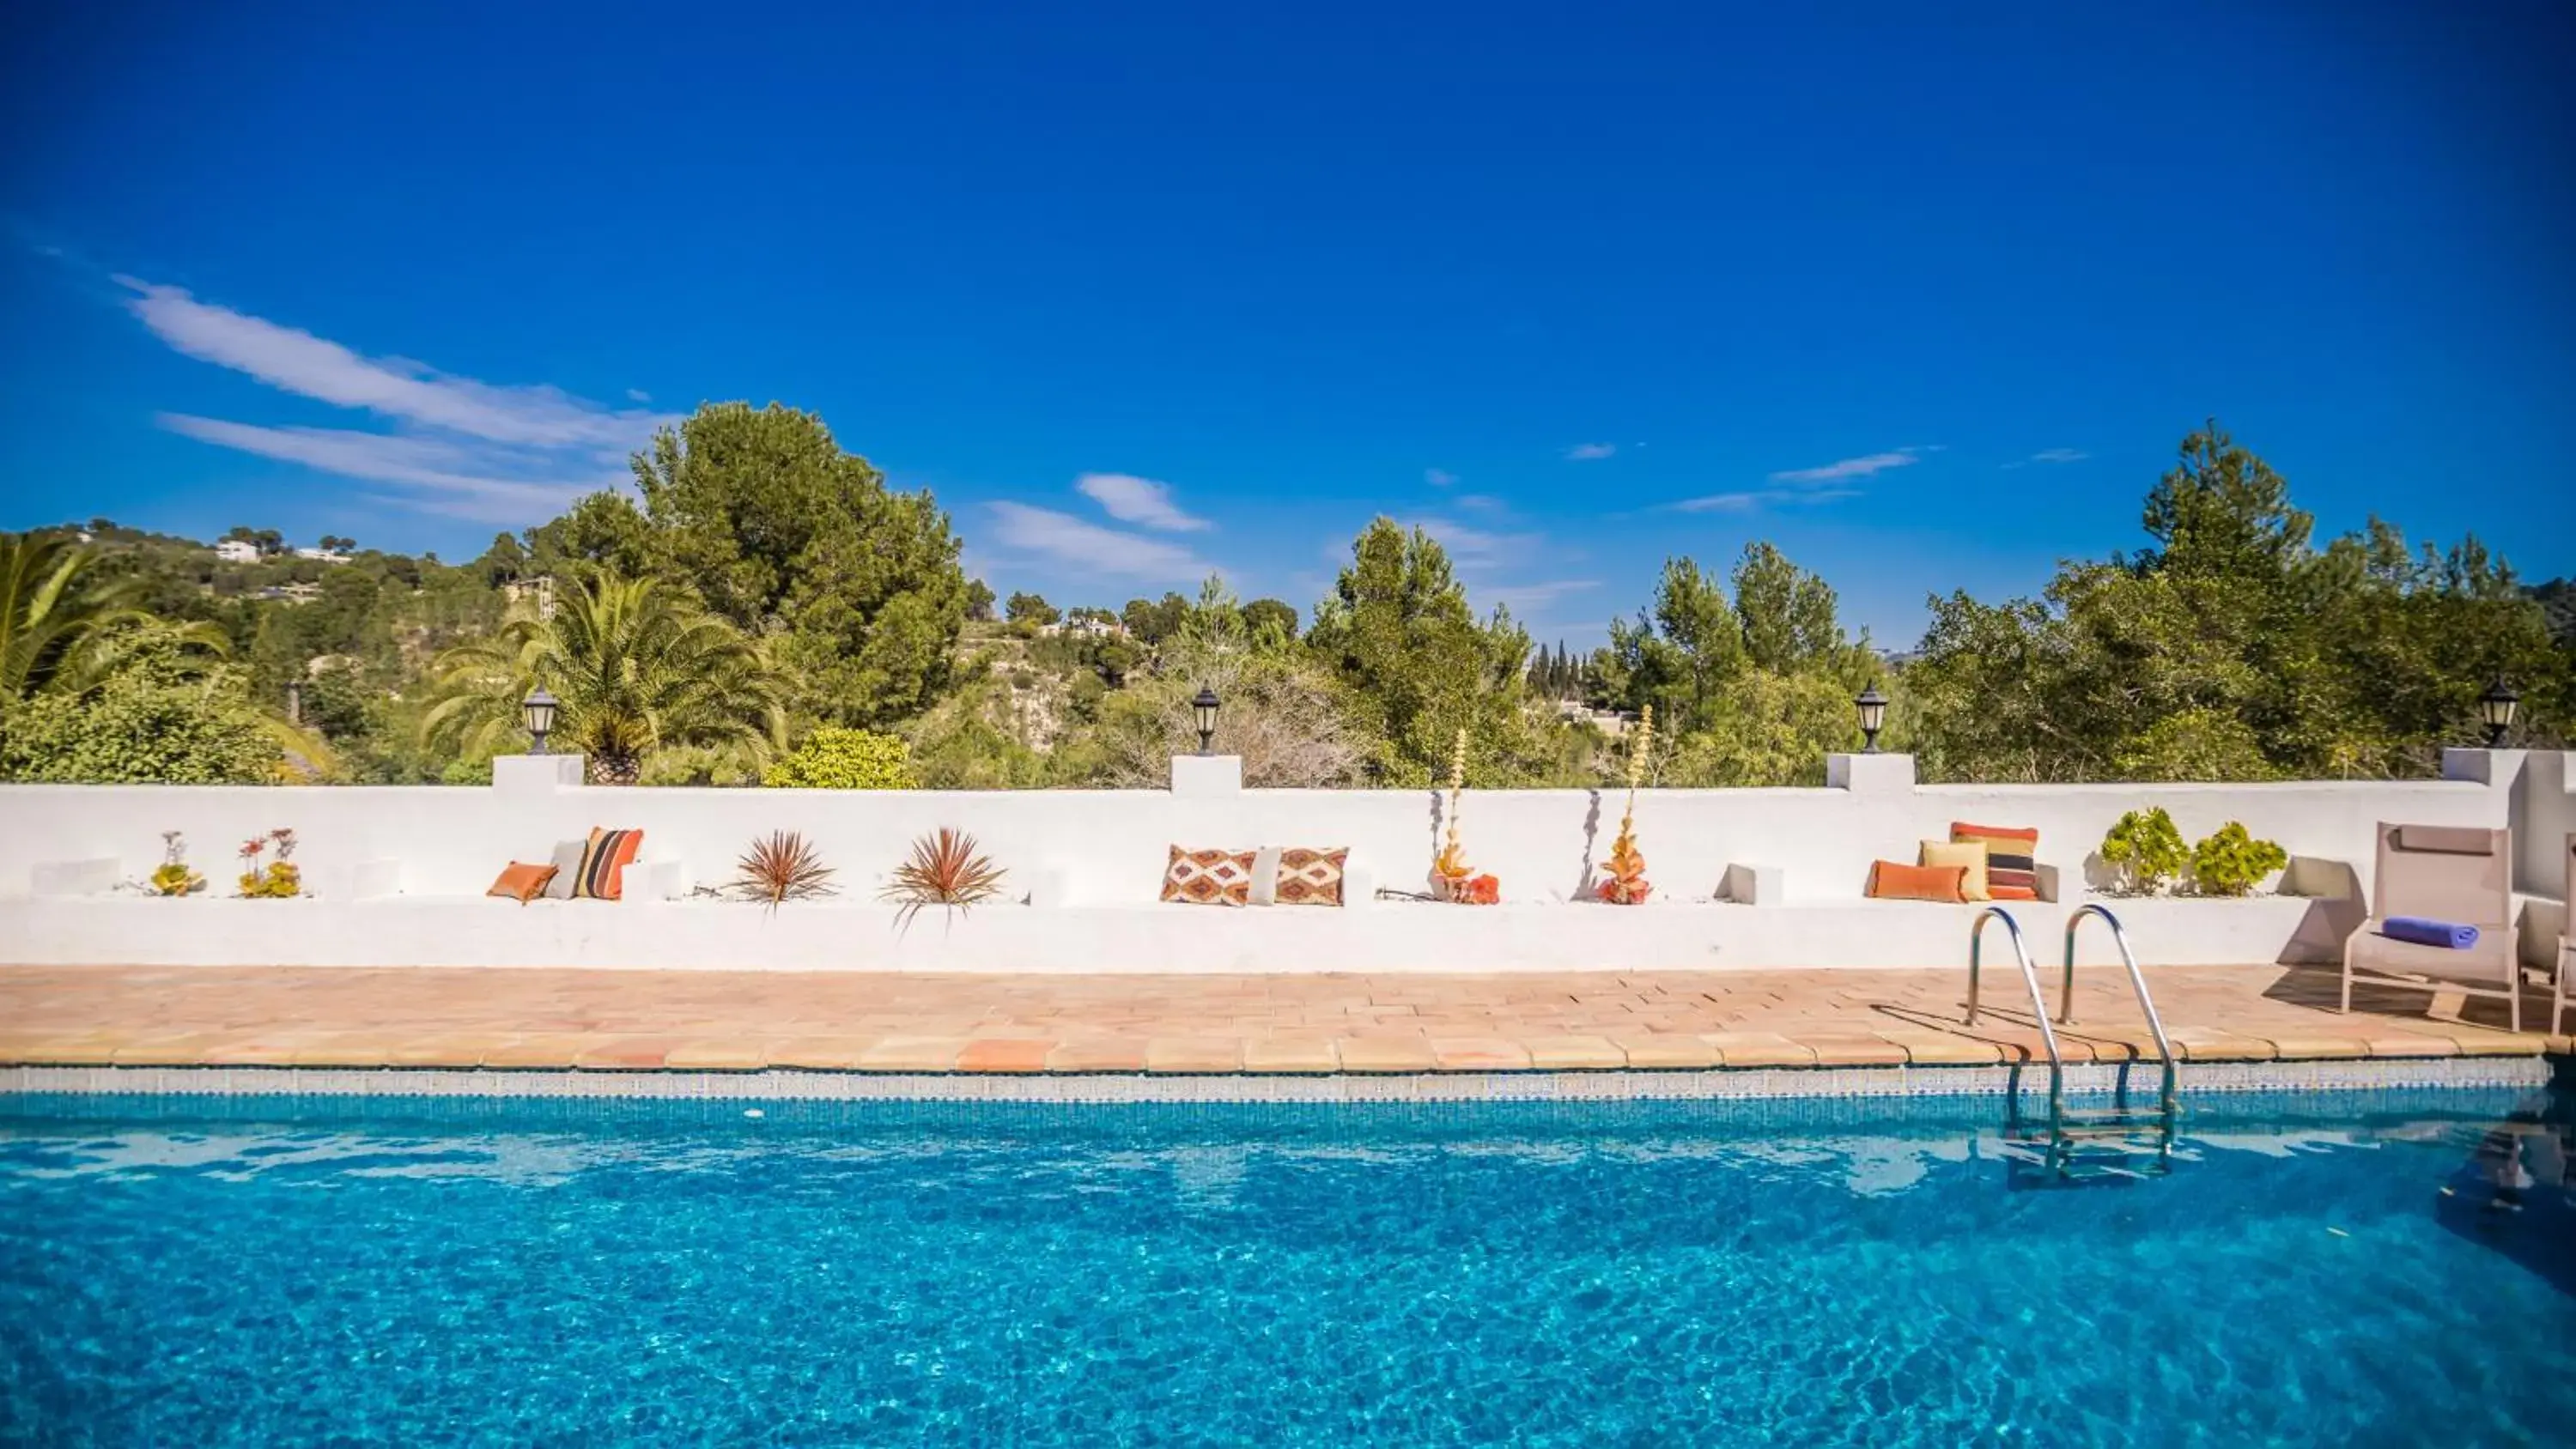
x=521 y=881
x=2012 y=867
x=1892 y=880
x=603 y=864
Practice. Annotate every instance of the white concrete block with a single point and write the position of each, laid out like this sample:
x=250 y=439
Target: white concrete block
x=536 y=774
x=1753 y=885
x=1201 y=777
x=1870 y=774
x=1051 y=886
x=1359 y=886
x=78 y=877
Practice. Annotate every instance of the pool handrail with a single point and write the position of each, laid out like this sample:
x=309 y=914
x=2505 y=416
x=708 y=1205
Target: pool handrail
x=2038 y=1003
x=2137 y=982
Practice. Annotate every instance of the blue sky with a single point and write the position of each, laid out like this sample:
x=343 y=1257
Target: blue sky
x=1147 y=291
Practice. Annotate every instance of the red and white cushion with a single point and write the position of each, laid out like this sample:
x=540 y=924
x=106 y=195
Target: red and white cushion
x=1208 y=877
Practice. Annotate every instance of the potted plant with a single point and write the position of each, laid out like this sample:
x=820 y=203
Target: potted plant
x=2145 y=852
x=173 y=877
x=1627 y=885
x=946 y=870
x=2231 y=862
x=261 y=880
x=783 y=867
x=1452 y=878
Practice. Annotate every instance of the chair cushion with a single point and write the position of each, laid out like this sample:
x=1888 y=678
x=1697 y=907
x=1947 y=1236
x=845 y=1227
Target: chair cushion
x=1894 y=880
x=1969 y=855
x=521 y=881
x=2012 y=872
x=567 y=861
x=2446 y=839
x=1208 y=877
x=604 y=858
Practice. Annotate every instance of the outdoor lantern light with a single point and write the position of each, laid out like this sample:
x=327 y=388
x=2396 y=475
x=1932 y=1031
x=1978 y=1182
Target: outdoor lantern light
x=1873 y=713
x=538 y=710
x=2496 y=707
x=1205 y=708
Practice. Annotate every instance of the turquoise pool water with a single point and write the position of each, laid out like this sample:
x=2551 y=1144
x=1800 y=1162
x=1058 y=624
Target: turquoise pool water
x=2319 y=1270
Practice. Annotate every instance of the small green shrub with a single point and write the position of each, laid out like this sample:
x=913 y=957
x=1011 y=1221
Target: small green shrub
x=2231 y=862
x=832 y=758
x=2147 y=850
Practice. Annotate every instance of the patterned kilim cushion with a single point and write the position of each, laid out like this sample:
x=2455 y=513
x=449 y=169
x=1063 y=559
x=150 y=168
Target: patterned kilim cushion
x=1209 y=877
x=2012 y=872
x=1311 y=877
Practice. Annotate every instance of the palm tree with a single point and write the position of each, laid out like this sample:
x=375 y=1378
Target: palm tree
x=63 y=625
x=635 y=663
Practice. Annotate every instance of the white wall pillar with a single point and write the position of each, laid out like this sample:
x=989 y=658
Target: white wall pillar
x=536 y=774
x=1870 y=774
x=1202 y=777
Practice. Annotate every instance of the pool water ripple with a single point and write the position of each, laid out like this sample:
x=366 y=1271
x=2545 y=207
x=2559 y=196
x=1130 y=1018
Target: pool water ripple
x=1293 y=1276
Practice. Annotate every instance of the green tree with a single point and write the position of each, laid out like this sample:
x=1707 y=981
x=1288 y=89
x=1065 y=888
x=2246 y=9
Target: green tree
x=635 y=664
x=780 y=531
x=1028 y=608
x=832 y=758
x=1417 y=665
x=979 y=600
x=66 y=626
x=161 y=715
x=1271 y=618
x=1150 y=623
x=602 y=532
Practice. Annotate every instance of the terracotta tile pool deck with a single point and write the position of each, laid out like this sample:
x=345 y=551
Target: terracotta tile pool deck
x=1303 y=1024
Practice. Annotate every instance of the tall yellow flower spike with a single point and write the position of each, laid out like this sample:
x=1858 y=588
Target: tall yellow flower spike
x=1450 y=866
x=1627 y=885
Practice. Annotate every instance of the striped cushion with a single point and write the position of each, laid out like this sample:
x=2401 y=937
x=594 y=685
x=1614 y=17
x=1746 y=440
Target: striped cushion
x=604 y=859
x=2012 y=866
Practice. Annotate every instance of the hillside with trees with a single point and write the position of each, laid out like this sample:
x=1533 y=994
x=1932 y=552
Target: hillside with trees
x=762 y=605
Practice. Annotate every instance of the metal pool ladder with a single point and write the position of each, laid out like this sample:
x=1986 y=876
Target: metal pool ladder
x=2119 y=1132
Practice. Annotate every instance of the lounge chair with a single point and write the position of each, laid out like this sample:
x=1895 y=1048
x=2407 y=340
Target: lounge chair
x=2558 y=997
x=2443 y=873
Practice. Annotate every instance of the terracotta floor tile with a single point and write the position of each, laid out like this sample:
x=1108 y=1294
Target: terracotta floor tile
x=1849 y=1050
x=1298 y=1054
x=1190 y=1054
x=912 y=1054
x=1574 y=1053
x=1669 y=1051
x=1006 y=1054
x=1386 y=1054
x=820 y=1053
x=1478 y=1054
x=720 y=1054
x=626 y=1053
x=1777 y=1049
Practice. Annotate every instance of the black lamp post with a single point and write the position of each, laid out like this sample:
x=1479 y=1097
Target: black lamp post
x=1873 y=713
x=538 y=712
x=2496 y=707
x=1205 y=708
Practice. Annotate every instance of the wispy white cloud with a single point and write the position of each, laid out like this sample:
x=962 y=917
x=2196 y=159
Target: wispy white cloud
x=1474 y=547
x=2047 y=456
x=1439 y=477
x=1861 y=467
x=1086 y=547
x=1590 y=452
x=1131 y=499
x=458 y=446
x=1755 y=499
x=1526 y=600
x=1485 y=503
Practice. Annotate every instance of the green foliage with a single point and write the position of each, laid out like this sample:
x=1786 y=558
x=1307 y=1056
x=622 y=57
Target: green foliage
x=1027 y=608
x=779 y=530
x=2146 y=849
x=2233 y=650
x=834 y=758
x=161 y=715
x=1417 y=666
x=2231 y=862
x=65 y=625
x=635 y=664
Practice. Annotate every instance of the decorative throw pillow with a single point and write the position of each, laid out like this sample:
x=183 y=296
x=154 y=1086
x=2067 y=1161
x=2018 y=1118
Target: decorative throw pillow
x=1969 y=855
x=1311 y=877
x=1894 y=880
x=521 y=881
x=2012 y=868
x=604 y=859
x=567 y=869
x=1209 y=877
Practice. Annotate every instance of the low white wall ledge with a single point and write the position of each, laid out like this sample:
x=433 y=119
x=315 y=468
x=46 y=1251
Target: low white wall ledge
x=1201 y=777
x=95 y=877
x=1870 y=774
x=2483 y=766
x=536 y=774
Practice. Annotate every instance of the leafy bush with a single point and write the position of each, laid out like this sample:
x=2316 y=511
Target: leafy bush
x=2231 y=862
x=833 y=758
x=2146 y=849
x=142 y=726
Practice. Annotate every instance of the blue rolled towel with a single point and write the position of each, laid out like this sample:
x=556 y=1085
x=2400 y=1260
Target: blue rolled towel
x=2429 y=933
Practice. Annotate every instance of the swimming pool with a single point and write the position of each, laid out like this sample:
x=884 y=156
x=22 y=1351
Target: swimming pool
x=2329 y=1270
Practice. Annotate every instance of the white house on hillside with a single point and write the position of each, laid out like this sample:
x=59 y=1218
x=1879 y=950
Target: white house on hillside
x=237 y=550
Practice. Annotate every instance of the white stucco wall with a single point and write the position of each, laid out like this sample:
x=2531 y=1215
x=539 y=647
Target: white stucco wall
x=1095 y=859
